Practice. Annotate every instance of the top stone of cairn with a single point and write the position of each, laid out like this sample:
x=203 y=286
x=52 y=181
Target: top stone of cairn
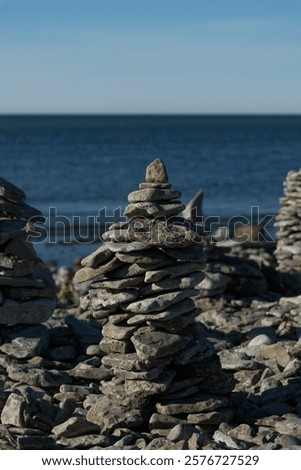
x=156 y=172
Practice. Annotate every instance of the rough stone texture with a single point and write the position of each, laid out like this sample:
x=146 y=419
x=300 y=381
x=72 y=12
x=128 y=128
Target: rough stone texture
x=26 y=286
x=288 y=221
x=148 y=315
x=63 y=384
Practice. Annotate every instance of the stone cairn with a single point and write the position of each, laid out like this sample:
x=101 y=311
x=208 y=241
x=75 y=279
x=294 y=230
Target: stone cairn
x=288 y=251
x=27 y=292
x=165 y=372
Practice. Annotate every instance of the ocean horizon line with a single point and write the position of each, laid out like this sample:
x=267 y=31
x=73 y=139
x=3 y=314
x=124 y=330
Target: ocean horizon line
x=137 y=114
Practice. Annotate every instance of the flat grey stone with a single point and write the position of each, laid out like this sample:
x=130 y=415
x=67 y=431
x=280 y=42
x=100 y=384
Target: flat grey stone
x=97 y=257
x=74 y=427
x=174 y=232
x=25 y=342
x=85 y=442
x=145 y=185
x=146 y=375
x=87 y=273
x=200 y=403
x=163 y=421
x=153 y=194
x=181 y=432
x=153 y=209
x=118 y=332
x=117 y=318
x=147 y=387
x=213 y=417
x=236 y=360
x=127 y=247
x=109 y=298
x=160 y=443
x=290 y=425
x=109 y=345
x=175 y=270
x=228 y=441
x=183 y=307
x=171 y=283
x=116 y=235
x=176 y=324
x=197 y=346
x=131 y=362
x=149 y=257
x=91 y=373
x=118 y=284
x=155 y=344
x=115 y=391
x=26 y=311
x=158 y=303
x=33 y=376
x=126 y=271
x=109 y=416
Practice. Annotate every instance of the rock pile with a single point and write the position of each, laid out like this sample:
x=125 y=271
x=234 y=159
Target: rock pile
x=288 y=251
x=27 y=293
x=142 y=284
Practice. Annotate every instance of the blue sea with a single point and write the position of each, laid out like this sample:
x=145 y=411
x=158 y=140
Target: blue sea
x=80 y=164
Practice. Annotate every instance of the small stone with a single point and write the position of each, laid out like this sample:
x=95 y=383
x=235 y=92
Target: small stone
x=159 y=302
x=13 y=411
x=256 y=343
x=228 y=441
x=213 y=417
x=88 y=273
x=180 y=432
x=153 y=195
x=274 y=351
x=156 y=172
x=183 y=307
x=291 y=426
x=25 y=342
x=200 y=403
x=118 y=332
x=97 y=257
x=74 y=427
x=155 y=344
x=108 y=416
x=153 y=209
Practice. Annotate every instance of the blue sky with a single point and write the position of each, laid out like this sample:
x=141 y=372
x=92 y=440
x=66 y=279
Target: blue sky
x=150 y=56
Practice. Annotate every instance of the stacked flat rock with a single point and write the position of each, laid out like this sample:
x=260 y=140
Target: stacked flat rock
x=288 y=251
x=27 y=293
x=143 y=278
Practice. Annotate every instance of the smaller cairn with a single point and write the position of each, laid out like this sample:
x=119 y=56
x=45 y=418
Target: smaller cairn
x=288 y=250
x=165 y=372
x=27 y=291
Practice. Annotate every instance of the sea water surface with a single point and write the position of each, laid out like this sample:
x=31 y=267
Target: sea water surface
x=82 y=164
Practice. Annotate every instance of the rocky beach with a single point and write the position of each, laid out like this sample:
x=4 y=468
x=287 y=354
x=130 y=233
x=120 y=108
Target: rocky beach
x=165 y=337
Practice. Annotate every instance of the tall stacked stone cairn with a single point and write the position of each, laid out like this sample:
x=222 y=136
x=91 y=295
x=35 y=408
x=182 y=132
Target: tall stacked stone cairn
x=288 y=251
x=27 y=291
x=165 y=372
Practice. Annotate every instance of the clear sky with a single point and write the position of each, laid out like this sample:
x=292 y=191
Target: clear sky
x=150 y=56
